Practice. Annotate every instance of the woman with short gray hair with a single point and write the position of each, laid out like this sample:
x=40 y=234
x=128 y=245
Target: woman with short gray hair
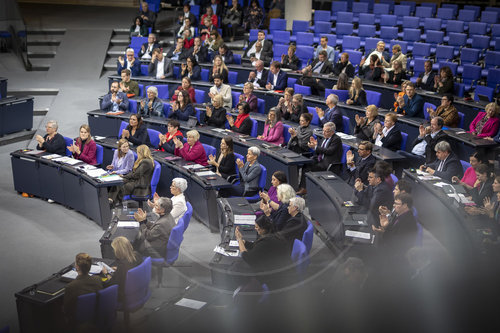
x=152 y=105
x=295 y=226
x=279 y=212
x=179 y=185
x=249 y=176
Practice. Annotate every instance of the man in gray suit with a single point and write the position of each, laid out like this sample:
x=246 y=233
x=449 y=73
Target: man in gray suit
x=160 y=67
x=154 y=235
x=249 y=176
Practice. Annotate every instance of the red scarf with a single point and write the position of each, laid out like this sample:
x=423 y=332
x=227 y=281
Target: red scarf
x=170 y=137
x=240 y=119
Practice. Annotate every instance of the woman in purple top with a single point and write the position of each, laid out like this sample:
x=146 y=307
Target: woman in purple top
x=273 y=129
x=278 y=178
x=486 y=123
x=123 y=159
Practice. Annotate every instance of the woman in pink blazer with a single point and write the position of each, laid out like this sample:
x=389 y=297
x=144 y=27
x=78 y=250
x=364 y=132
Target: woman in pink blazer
x=273 y=129
x=486 y=123
x=84 y=148
x=192 y=150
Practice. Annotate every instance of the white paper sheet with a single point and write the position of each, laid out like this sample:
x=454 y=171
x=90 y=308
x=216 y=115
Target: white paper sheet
x=191 y=303
x=357 y=234
x=127 y=224
x=244 y=219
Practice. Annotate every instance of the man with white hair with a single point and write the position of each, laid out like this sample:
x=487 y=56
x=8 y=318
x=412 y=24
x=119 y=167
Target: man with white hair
x=380 y=52
x=151 y=105
x=146 y=51
x=52 y=142
x=130 y=62
x=332 y=114
x=258 y=77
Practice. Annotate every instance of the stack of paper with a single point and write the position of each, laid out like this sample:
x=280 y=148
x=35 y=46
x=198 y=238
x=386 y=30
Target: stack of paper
x=51 y=156
x=96 y=172
x=193 y=166
x=110 y=178
x=244 y=219
x=205 y=173
x=127 y=224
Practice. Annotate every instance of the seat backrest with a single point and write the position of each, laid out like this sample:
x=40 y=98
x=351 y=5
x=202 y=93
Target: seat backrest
x=480 y=42
x=373 y=97
x=355 y=56
x=366 y=30
x=446 y=13
x=403 y=142
x=343 y=95
x=461 y=120
x=458 y=89
x=304 y=90
x=278 y=24
x=489 y=17
x=411 y=35
x=315 y=119
x=457 y=38
x=69 y=142
x=187 y=215
x=465 y=165
x=305 y=53
x=263 y=177
x=199 y=95
x=304 y=38
x=421 y=49
x=286 y=134
x=455 y=26
x=468 y=55
x=155 y=178
x=255 y=126
x=144 y=70
x=466 y=15
x=99 y=154
x=322 y=28
x=233 y=77
x=299 y=256
x=423 y=12
x=280 y=37
x=344 y=29
x=346 y=124
x=209 y=150
x=205 y=74
x=387 y=33
x=174 y=242
x=426 y=106
x=235 y=95
x=345 y=148
x=308 y=236
x=123 y=126
x=290 y=81
x=380 y=8
x=402 y=10
x=351 y=42
x=237 y=59
x=434 y=37
x=366 y=18
x=444 y=52
x=137 y=286
x=154 y=137
x=359 y=7
x=107 y=303
x=388 y=20
x=472 y=72
x=261 y=106
x=477 y=28
x=339 y=6
x=162 y=90
x=298 y=25
x=344 y=17
x=132 y=105
x=86 y=308
x=322 y=15
x=485 y=91
x=431 y=23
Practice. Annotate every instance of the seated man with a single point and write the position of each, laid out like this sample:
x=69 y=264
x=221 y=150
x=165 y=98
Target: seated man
x=128 y=86
x=377 y=193
x=411 y=104
x=198 y=51
x=146 y=51
x=52 y=142
x=83 y=284
x=389 y=136
x=176 y=52
x=115 y=100
x=327 y=155
x=425 y=80
x=226 y=54
x=344 y=66
x=276 y=79
x=151 y=105
x=447 y=163
x=317 y=87
x=187 y=25
x=153 y=235
x=131 y=63
x=267 y=46
x=379 y=51
x=323 y=46
x=259 y=54
x=186 y=13
x=359 y=169
x=222 y=89
x=321 y=65
x=332 y=114
x=447 y=111
x=160 y=67
x=259 y=76
x=148 y=16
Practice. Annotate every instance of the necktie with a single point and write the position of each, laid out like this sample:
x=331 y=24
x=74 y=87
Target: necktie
x=440 y=168
x=323 y=145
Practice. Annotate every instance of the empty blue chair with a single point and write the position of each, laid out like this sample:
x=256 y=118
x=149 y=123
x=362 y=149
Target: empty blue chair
x=345 y=17
x=286 y=134
x=232 y=77
x=141 y=90
x=351 y=43
x=308 y=236
x=493 y=78
x=454 y=7
x=321 y=15
x=209 y=150
x=253 y=35
x=69 y=142
x=162 y=90
x=305 y=54
x=418 y=66
x=470 y=75
x=458 y=89
x=379 y=9
x=343 y=95
x=400 y=11
x=489 y=17
x=298 y=26
x=491 y=59
x=86 y=308
x=366 y=31
x=205 y=74
x=480 y=42
x=262 y=184
x=276 y=24
x=346 y=124
x=354 y=57
x=445 y=13
x=358 y=8
x=403 y=142
x=166 y=109
x=200 y=96
x=412 y=5
x=475 y=9
x=177 y=72
x=468 y=56
x=432 y=23
x=461 y=120
x=136 y=289
x=466 y=15
x=237 y=57
x=132 y=105
x=434 y=38
x=255 y=126
x=344 y=29
x=154 y=137
x=315 y=119
x=261 y=106
x=106 y=308
x=432 y=5
x=454 y=26
x=321 y=28
x=235 y=95
x=299 y=256
x=99 y=153
x=457 y=40
x=421 y=50
x=390 y=3
x=144 y=70
x=366 y=18
x=173 y=247
x=281 y=37
x=123 y=125
x=338 y=6
x=477 y=28
x=290 y=82
x=443 y=53
x=411 y=36
x=304 y=38
x=485 y=91
x=465 y=165
x=422 y=12
x=373 y=97
x=411 y=22
x=388 y=20
x=388 y=33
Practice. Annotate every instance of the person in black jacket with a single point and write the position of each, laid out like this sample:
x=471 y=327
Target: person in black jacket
x=136 y=131
x=373 y=71
x=425 y=80
x=359 y=169
x=485 y=187
x=321 y=65
x=295 y=227
x=126 y=259
x=258 y=77
x=317 y=88
x=447 y=163
x=224 y=163
x=290 y=60
x=167 y=142
x=243 y=123
x=357 y=95
x=298 y=108
x=52 y=142
x=215 y=114
x=344 y=66
x=388 y=136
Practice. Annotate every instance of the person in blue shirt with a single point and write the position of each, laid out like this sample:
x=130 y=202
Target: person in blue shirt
x=412 y=105
x=182 y=108
x=129 y=63
x=277 y=79
x=329 y=50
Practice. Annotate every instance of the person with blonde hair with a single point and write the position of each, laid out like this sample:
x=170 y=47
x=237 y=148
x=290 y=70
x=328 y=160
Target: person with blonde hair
x=290 y=60
x=127 y=259
x=215 y=114
x=192 y=150
x=123 y=159
x=364 y=125
x=357 y=95
x=219 y=68
x=249 y=97
x=84 y=148
x=137 y=182
x=486 y=123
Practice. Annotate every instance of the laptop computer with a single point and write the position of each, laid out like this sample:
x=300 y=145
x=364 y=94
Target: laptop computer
x=483 y=98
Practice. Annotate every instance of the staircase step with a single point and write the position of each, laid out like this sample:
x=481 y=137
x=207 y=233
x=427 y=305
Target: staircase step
x=53 y=31
x=43 y=42
x=41 y=54
x=33 y=92
x=119 y=41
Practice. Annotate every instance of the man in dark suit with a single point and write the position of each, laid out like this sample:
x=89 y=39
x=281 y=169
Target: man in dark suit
x=115 y=100
x=186 y=13
x=332 y=114
x=129 y=63
x=154 y=235
x=277 y=79
x=344 y=66
x=359 y=169
x=377 y=193
x=425 y=79
x=267 y=46
x=389 y=136
x=148 y=16
x=146 y=51
x=327 y=155
x=259 y=54
x=317 y=88
x=321 y=65
x=226 y=54
x=259 y=76
x=446 y=165
x=198 y=51
x=160 y=67
x=177 y=51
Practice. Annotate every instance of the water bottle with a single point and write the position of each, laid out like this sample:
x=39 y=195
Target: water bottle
x=125 y=208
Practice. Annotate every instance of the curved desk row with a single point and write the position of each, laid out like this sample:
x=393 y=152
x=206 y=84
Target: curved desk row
x=64 y=184
x=3 y=87
x=16 y=114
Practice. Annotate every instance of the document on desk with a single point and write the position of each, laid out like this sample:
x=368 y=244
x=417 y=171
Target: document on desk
x=95 y=269
x=51 y=156
x=233 y=243
x=67 y=160
x=193 y=166
x=110 y=178
x=205 y=173
x=191 y=303
x=99 y=138
x=127 y=224
x=228 y=253
x=345 y=136
x=34 y=152
x=95 y=173
x=218 y=130
x=357 y=234
x=244 y=219
x=71 y=275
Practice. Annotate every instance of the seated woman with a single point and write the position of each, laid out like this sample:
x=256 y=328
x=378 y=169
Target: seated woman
x=214 y=41
x=285 y=102
x=192 y=150
x=373 y=71
x=290 y=60
x=447 y=111
x=224 y=163
x=253 y=16
x=299 y=137
x=486 y=123
x=84 y=148
x=152 y=105
x=206 y=28
x=342 y=82
x=136 y=132
x=123 y=159
x=490 y=205
x=397 y=75
x=182 y=107
x=215 y=114
x=295 y=226
x=397 y=55
x=231 y=20
x=139 y=29
x=357 y=95
x=179 y=207
x=52 y=142
x=364 y=125
x=166 y=141
x=249 y=176
x=191 y=69
x=186 y=85
x=443 y=83
x=278 y=212
x=243 y=124
x=469 y=180
x=297 y=108
x=278 y=178
x=220 y=68
x=210 y=14
x=400 y=97
x=484 y=185
x=249 y=97
x=137 y=182
x=126 y=259
x=273 y=129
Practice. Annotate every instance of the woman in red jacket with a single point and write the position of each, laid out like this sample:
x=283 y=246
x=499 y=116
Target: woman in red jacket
x=192 y=150
x=84 y=148
x=186 y=85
